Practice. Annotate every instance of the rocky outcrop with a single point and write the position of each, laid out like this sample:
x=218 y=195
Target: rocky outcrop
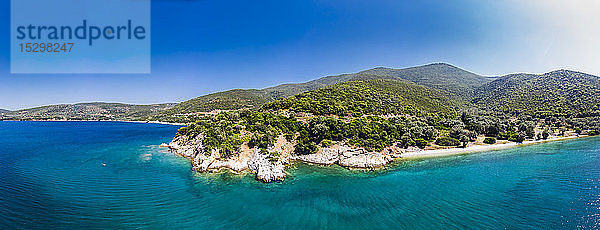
x=187 y=147
x=359 y=158
x=397 y=152
x=237 y=165
x=269 y=168
x=202 y=161
x=325 y=156
x=265 y=170
x=347 y=157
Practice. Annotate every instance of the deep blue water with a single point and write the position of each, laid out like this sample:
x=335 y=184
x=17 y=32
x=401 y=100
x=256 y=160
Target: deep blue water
x=100 y=175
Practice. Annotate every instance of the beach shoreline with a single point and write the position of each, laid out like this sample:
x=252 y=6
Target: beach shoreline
x=372 y=161
x=480 y=148
x=351 y=158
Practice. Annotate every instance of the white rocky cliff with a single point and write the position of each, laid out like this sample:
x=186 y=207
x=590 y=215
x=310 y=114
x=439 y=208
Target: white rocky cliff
x=268 y=166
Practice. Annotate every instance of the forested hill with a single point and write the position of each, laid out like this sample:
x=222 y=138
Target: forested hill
x=226 y=100
x=362 y=97
x=439 y=118
x=562 y=92
x=440 y=76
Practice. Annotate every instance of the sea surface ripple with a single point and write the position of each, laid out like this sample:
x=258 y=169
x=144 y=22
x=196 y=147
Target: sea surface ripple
x=99 y=175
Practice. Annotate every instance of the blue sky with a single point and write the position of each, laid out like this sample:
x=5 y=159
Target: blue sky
x=205 y=46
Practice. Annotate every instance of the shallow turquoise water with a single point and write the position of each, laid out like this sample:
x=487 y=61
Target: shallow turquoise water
x=52 y=176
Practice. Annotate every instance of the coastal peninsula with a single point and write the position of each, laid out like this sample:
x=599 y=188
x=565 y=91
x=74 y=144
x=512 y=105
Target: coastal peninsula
x=269 y=165
x=362 y=120
x=375 y=117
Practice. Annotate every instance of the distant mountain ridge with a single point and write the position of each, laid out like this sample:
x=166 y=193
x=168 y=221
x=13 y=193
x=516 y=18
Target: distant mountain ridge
x=4 y=111
x=562 y=92
x=439 y=76
x=458 y=82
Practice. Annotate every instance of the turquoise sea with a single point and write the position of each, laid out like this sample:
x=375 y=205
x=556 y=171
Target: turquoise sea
x=112 y=175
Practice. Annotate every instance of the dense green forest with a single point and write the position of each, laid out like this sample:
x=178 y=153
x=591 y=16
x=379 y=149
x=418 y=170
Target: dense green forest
x=227 y=131
x=369 y=97
x=430 y=105
x=440 y=76
x=351 y=112
x=558 y=93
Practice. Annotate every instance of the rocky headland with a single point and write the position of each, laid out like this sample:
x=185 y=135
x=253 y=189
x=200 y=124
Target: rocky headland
x=269 y=166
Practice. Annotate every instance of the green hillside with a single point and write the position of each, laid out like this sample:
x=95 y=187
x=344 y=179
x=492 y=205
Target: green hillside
x=563 y=93
x=88 y=111
x=439 y=76
x=227 y=100
x=458 y=82
x=375 y=97
x=450 y=108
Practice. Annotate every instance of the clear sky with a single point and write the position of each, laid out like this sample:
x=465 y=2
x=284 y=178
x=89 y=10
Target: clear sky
x=205 y=46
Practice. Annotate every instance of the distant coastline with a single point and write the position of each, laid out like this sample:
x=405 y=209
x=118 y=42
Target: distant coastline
x=145 y=122
x=155 y=122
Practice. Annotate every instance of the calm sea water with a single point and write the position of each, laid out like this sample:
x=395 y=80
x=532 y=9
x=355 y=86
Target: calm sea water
x=74 y=175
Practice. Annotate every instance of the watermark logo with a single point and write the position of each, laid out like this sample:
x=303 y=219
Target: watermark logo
x=80 y=36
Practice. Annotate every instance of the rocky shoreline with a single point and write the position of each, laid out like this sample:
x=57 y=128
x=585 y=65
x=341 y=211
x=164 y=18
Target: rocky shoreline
x=270 y=166
x=354 y=158
x=270 y=169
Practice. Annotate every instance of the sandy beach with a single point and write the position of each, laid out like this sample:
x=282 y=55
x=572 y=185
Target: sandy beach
x=473 y=148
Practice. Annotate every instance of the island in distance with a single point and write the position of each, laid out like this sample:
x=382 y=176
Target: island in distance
x=368 y=119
